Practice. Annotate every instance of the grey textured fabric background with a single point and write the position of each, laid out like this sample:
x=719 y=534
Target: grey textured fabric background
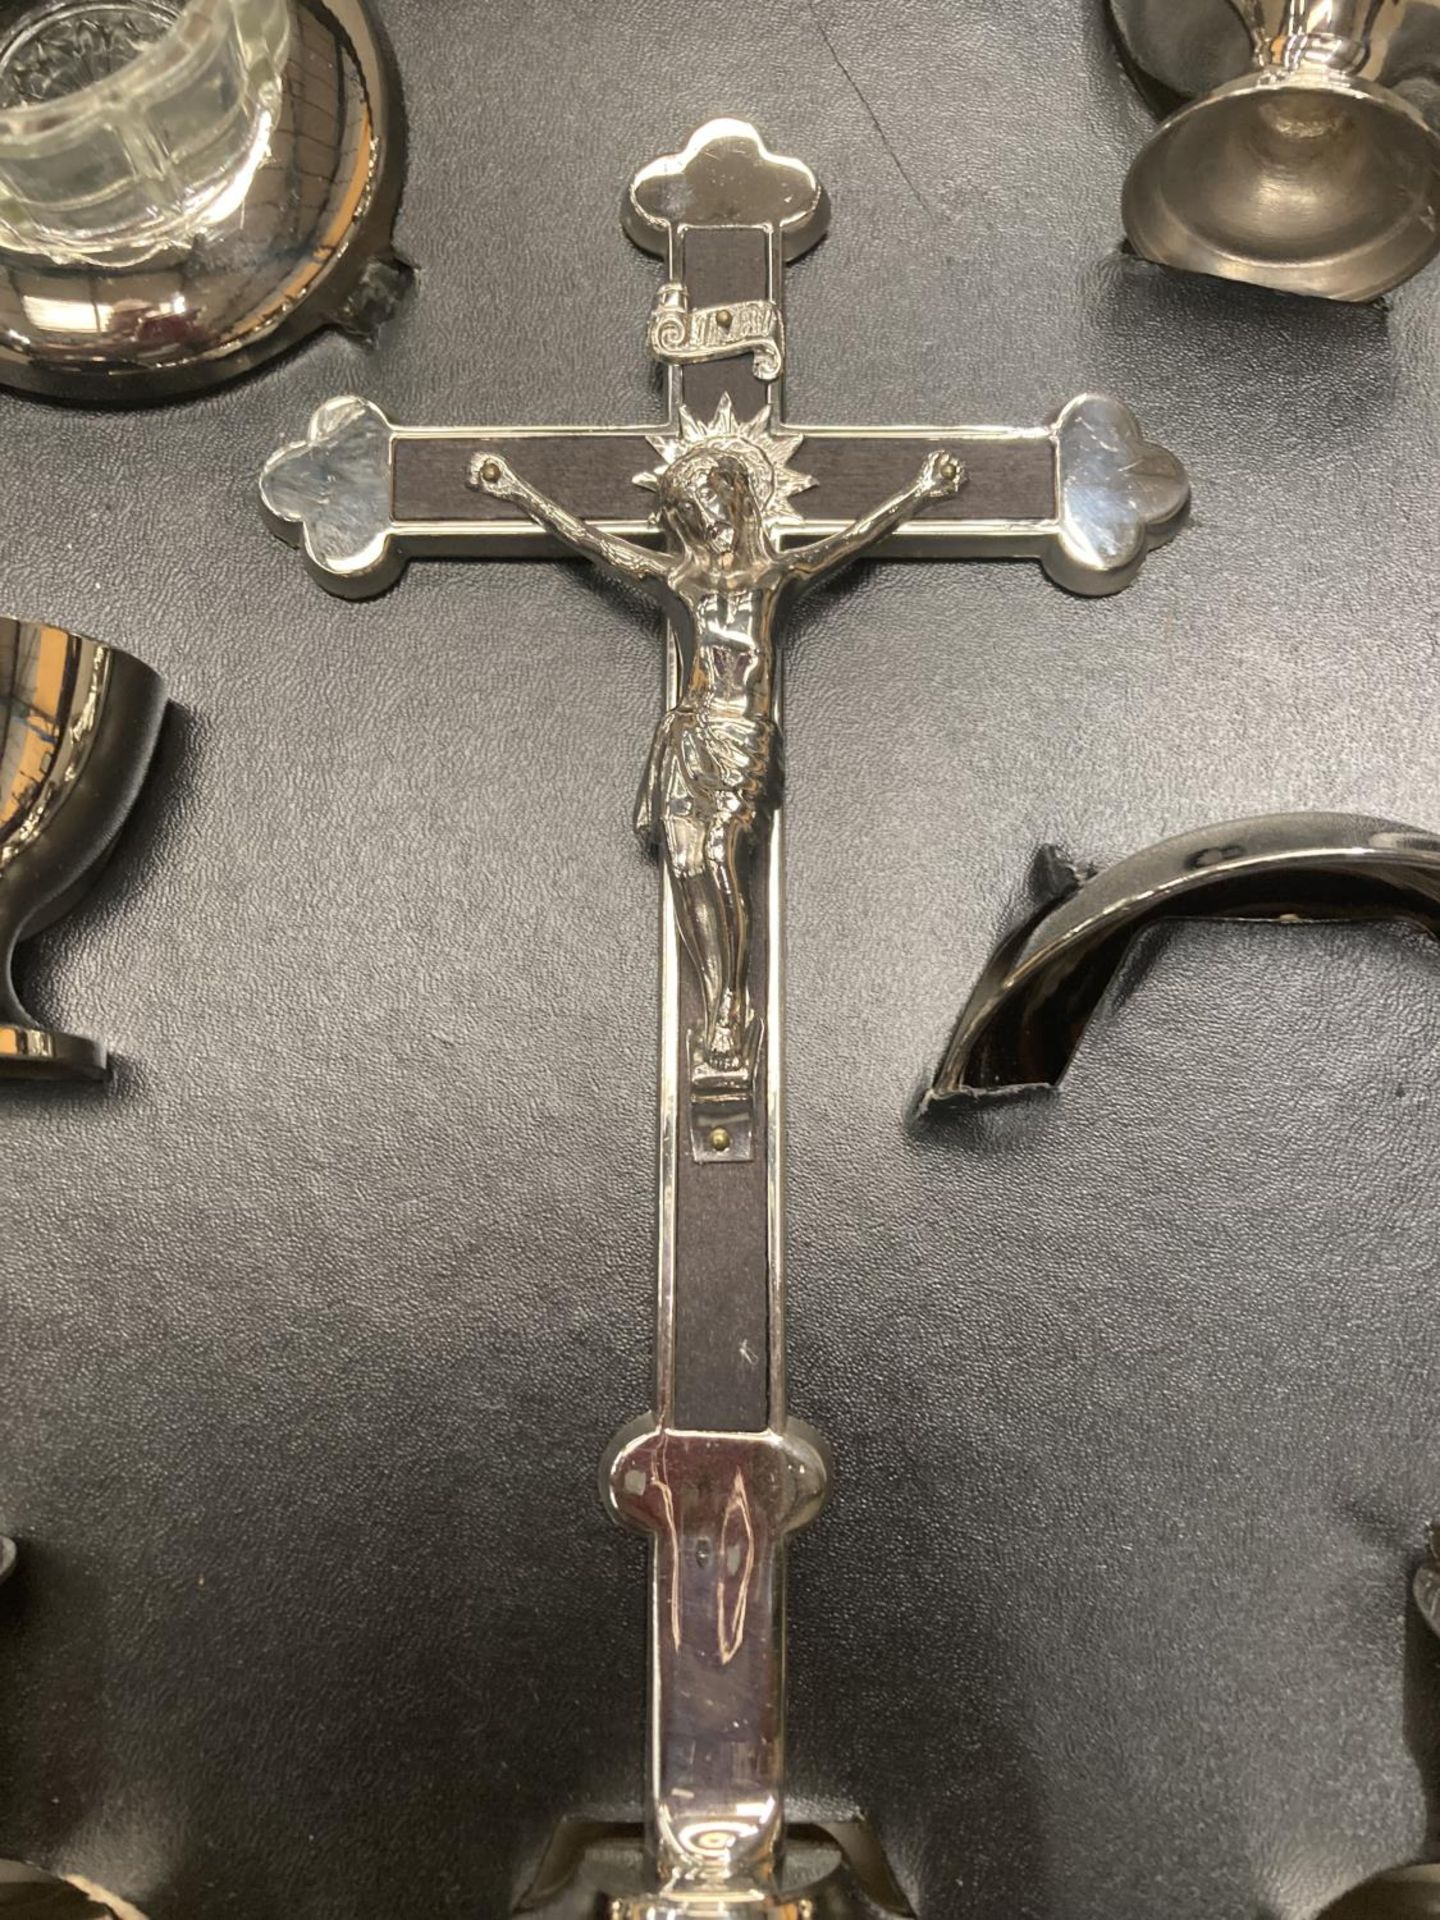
x=314 y=1326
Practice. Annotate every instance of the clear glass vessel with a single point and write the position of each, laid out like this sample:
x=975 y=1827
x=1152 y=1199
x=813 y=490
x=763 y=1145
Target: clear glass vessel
x=127 y=125
x=187 y=187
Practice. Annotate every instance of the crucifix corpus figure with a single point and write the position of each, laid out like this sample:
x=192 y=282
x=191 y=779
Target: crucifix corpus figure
x=717 y=761
x=719 y=1474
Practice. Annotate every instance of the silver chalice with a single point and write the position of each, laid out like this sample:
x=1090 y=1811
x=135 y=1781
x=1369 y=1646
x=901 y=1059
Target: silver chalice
x=78 y=724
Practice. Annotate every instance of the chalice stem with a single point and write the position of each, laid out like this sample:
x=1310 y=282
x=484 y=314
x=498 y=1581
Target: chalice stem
x=1334 y=34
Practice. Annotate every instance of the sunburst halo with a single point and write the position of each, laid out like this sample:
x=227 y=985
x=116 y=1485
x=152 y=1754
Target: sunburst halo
x=766 y=455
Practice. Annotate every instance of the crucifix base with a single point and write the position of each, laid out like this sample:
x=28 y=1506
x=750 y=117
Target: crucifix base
x=597 y=1870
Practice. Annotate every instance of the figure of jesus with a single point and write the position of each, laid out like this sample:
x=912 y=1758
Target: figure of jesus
x=715 y=768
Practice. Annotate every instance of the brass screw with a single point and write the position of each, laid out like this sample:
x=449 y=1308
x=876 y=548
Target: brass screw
x=720 y=1140
x=490 y=472
x=724 y=318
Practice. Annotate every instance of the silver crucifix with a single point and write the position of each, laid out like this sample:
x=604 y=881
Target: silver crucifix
x=725 y=515
x=723 y=580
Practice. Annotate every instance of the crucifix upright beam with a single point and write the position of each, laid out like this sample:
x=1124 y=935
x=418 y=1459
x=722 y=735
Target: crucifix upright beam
x=725 y=513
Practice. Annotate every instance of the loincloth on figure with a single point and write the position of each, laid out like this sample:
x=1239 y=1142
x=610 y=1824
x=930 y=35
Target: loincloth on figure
x=710 y=770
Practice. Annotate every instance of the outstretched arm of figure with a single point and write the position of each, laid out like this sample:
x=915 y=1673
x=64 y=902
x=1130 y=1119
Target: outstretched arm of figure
x=491 y=473
x=941 y=476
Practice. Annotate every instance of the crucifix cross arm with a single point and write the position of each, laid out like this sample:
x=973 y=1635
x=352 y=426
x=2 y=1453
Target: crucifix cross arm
x=1085 y=493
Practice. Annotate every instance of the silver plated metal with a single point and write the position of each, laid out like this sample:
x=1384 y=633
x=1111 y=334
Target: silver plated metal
x=724 y=514
x=1025 y=1019
x=723 y=580
x=303 y=242
x=680 y=333
x=78 y=724
x=1301 y=147
x=1087 y=494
